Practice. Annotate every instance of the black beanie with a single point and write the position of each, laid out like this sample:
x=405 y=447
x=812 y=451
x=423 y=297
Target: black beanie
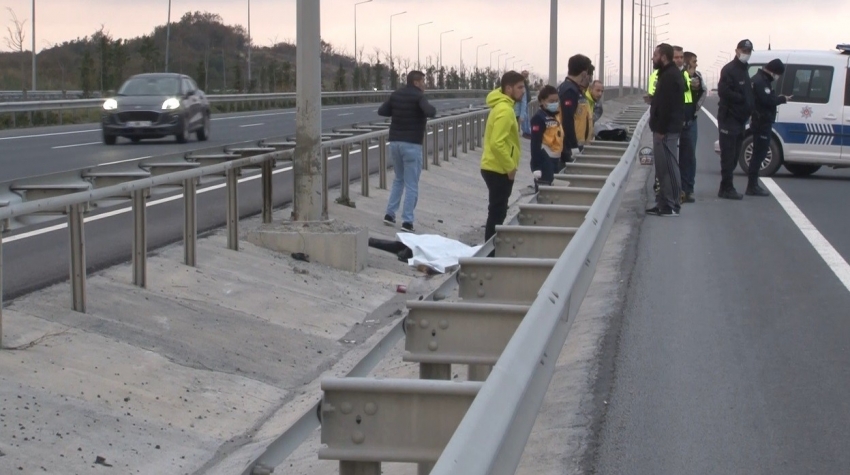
x=776 y=66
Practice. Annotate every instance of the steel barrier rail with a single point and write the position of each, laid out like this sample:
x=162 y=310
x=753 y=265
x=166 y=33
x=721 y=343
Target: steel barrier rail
x=74 y=104
x=520 y=328
x=75 y=204
x=492 y=435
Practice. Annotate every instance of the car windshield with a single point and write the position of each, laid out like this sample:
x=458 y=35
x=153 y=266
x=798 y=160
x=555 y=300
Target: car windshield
x=150 y=87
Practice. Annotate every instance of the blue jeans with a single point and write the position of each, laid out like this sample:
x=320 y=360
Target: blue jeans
x=688 y=157
x=407 y=165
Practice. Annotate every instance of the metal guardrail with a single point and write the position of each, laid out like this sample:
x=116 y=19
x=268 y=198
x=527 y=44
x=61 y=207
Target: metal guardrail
x=509 y=328
x=137 y=183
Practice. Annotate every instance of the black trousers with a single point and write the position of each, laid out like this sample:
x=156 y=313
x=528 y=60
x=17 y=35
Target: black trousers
x=500 y=188
x=731 y=139
x=761 y=145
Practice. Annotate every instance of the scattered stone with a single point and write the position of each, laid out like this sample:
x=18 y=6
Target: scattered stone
x=101 y=461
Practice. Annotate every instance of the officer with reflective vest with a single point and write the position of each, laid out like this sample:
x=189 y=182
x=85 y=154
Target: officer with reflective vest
x=688 y=138
x=762 y=119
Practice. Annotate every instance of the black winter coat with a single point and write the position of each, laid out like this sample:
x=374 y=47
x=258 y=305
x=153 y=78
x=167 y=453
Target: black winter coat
x=736 y=93
x=409 y=110
x=667 y=112
x=766 y=100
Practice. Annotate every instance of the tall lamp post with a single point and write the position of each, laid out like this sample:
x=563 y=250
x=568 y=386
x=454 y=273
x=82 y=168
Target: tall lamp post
x=553 y=43
x=441 y=47
x=477 y=50
x=460 y=58
x=392 y=60
x=167 y=35
x=491 y=57
x=356 y=59
x=418 y=29
x=33 y=46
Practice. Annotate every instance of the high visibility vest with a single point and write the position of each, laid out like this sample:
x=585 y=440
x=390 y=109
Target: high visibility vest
x=653 y=81
x=689 y=96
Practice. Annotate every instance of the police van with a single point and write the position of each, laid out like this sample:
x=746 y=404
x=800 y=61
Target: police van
x=813 y=129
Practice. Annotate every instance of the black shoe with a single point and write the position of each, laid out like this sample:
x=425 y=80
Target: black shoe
x=756 y=191
x=688 y=198
x=667 y=213
x=389 y=220
x=730 y=194
x=407 y=227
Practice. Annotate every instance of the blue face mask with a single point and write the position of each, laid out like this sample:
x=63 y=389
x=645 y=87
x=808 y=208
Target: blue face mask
x=552 y=107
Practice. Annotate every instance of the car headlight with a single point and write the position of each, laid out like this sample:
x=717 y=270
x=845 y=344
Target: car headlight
x=110 y=104
x=171 y=104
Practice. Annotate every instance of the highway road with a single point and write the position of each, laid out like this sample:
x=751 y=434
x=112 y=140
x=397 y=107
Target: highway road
x=33 y=259
x=39 y=151
x=733 y=353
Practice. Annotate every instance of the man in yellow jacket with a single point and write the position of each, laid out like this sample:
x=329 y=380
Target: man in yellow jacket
x=500 y=159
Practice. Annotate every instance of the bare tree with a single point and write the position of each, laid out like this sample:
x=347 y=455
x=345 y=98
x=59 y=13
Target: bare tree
x=360 y=54
x=15 y=41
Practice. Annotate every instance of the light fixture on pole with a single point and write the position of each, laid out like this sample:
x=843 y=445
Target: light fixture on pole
x=477 y=49
x=356 y=59
x=418 y=29
x=441 y=47
x=460 y=58
x=392 y=60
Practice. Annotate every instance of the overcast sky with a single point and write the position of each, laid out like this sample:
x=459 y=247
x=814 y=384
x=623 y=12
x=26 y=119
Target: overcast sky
x=520 y=28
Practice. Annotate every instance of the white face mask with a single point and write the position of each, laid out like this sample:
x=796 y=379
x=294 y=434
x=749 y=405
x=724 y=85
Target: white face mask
x=745 y=58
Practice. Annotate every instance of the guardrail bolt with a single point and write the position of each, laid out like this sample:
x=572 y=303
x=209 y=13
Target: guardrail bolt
x=371 y=408
x=433 y=346
x=346 y=408
x=444 y=324
x=424 y=323
x=358 y=437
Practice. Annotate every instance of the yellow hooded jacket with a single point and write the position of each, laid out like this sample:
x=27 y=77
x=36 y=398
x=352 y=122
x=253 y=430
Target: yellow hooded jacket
x=584 y=120
x=501 y=136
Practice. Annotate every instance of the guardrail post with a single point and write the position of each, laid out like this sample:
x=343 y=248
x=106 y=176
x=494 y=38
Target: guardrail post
x=473 y=131
x=140 y=239
x=1 y=287
x=359 y=468
x=481 y=126
x=344 y=197
x=436 y=137
x=478 y=372
x=364 y=168
x=425 y=149
x=382 y=163
x=232 y=209
x=76 y=226
x=268 y=203
x=445 y=141
x=190 y=222
x=454 y=137
x=325 y=160
x=465 y=141
x=432 y=371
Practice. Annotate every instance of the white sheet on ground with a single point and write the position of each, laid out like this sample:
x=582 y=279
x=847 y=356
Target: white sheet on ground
x=436 y=252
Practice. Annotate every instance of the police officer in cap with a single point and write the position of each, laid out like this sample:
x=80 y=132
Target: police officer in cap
x=764 y=115
x=736 y=106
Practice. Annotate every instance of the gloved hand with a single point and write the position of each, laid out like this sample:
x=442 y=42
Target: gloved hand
x=575 y=152
x=538 y=174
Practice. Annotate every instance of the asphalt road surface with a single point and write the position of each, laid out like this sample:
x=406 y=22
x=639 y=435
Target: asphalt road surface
x=734 y=352
x=39 y=151
x=35 y=258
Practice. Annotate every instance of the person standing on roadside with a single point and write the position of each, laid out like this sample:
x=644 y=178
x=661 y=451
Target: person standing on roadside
x=500 y=158
x=579 y=72
x=688 y=138
x=521 y=109
x=736 y=105
x=764 y=115
x=409 y=110
x=547 y=137
x=666 y=117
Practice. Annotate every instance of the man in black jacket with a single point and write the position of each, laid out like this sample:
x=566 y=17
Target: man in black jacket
x=579 y=73
x=764 y=115
x=666 y=119
x=736 y=104
x=410 y=111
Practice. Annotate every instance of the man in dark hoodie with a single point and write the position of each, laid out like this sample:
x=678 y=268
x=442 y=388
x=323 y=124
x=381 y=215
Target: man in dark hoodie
x=736 y=104
x=761 y=124
x=666 y=119
x=410 y=111
x=579 y=70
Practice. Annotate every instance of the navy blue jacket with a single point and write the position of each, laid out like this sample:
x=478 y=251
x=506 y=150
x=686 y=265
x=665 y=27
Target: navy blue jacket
x=409 y=110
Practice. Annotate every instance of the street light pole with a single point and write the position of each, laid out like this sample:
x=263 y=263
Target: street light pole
x=307 y=164
x=418 y=27
x=506 y=62
x=491 y=57
x=167 y=35
x=477 y=50
x=392 y=60
x=460 y=58
x=622 y=18
x=249 y=45
x=632 y=52
x=602 y=40
x=553 y=43
x=356 y=59
x=33 y=46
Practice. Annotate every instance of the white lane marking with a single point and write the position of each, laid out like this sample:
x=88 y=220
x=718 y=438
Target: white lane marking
x=75 y=145
x=251 y=125
x=56 y=134
x=837 y=264
x=345 y=114
x=116 y=212
x=124 y=161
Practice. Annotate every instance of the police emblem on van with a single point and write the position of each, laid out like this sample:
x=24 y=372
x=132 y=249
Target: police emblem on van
x=806 y=113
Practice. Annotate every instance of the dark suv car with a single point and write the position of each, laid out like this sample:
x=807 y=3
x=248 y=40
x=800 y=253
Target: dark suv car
x=152 y=106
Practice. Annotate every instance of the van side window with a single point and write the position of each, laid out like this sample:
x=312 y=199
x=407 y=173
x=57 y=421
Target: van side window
x=847 y=89
x=753 y=69
x=808 y=83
